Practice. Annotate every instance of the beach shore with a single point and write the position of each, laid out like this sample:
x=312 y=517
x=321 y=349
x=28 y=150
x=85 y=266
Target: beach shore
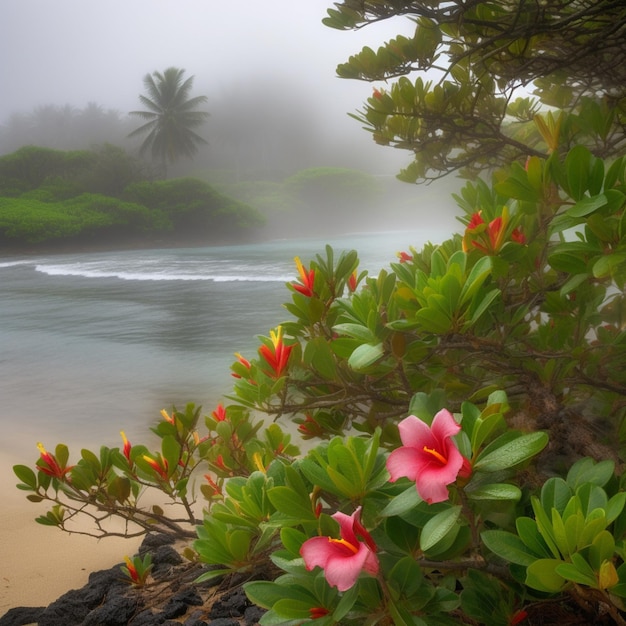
x=40 y=563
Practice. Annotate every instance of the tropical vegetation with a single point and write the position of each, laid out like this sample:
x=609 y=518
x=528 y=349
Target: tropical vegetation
x=469 y=108
x=103 y=197
x=464 y=410
x=170 y=116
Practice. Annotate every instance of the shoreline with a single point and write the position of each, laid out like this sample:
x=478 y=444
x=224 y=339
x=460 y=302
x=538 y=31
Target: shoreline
x=80 y=248
x=41 y=563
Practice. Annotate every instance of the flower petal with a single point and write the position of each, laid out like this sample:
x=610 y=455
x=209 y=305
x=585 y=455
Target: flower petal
x=346 y=525
x=432 y=482
x=317 y=551
x=342 y=572
x=415 y=433
x=444 y=425
x=404 y=461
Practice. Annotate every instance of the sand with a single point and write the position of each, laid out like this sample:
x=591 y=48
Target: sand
x=40 y=563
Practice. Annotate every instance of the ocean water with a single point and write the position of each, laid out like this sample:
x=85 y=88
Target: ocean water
x=93 y=343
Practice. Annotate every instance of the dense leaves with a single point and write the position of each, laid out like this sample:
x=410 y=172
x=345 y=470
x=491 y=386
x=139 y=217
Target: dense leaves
x=471 y=113
x=170 y=116
x=101 y=197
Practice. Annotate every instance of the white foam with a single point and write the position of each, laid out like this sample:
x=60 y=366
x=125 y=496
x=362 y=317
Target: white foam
x=83 y=272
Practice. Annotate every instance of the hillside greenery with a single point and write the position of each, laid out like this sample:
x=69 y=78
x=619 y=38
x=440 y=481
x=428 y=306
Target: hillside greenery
x=105 y=197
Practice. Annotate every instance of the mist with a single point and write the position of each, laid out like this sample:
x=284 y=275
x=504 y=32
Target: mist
x=276 y=106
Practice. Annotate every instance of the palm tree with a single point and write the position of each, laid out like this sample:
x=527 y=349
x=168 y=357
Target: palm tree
x=170 y=117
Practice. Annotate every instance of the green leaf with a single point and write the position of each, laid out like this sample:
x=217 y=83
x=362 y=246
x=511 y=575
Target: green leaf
x=508 y=546
x=615 y=506
x=171 y=452
x=289 y=502
x=475 y=279
x=346 y=602
x=555 y=493
x=319 y=355
x=577 y=165
x=292 y=608
x=62 y=454
x=544 y=526
x=483 y=429
x=90 y=458
x=356 y=331
x=482 y=306
x=602 y=549
x=265 y=593
x=402 y=503
x=26 y=475
x=543 y=576
x=578 y=571
x=587 y=206
x=496 y=491
x=433 y=321
x=365 y=355
x=560 y=535
x=529 y=533
x=438 y=527
x=511 y=453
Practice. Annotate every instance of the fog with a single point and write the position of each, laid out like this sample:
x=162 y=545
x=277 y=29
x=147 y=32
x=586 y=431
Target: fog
x=72 y=70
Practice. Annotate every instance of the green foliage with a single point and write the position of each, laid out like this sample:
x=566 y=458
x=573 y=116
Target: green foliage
x=469 y=118
x=30 y=167
x=170 y=118
x=452 y=406
x=194 y=208
x=86 y=215
x=50 y=196
x=568 y=541
x=137 y=569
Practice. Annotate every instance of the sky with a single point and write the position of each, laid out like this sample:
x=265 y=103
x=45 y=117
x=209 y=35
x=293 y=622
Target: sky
x=79 y=51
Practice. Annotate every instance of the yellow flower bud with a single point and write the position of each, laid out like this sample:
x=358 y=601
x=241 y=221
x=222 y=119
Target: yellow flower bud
x=607 y=576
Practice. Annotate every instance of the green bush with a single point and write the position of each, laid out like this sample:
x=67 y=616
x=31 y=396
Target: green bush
x=195 y=208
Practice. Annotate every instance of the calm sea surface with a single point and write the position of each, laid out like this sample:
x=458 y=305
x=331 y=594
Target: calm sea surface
x=97 y=342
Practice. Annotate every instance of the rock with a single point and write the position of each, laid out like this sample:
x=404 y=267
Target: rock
x=231 y=605
x=21 y=615
x=116 y=611
x=108 y=600
x=148 y=618
x=196 y=619
x=164 y=558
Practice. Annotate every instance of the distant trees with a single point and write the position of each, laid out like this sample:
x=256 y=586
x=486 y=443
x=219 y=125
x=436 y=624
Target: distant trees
x=64 y=128
x=171 y=117
x=462 y=112
x=101 y=198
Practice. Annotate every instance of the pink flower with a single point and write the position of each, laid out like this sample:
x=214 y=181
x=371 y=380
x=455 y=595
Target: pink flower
x=429 y=456
x=342 y=559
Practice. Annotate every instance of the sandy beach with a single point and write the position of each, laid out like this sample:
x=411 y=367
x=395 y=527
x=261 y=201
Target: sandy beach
x=40 y=563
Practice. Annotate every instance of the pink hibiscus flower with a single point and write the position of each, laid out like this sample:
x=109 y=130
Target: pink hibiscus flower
x=342 y=559
x=429 y=456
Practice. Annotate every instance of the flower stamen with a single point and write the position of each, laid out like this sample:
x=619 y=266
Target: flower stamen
x=344 y=542
x=442 y=459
